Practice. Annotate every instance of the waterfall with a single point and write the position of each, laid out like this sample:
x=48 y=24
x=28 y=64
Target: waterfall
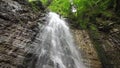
x=56 y=49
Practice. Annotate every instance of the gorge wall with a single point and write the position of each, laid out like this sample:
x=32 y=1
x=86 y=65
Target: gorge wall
x=18 y=29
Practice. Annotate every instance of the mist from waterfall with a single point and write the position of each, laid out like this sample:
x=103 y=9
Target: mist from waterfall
x=56 y=48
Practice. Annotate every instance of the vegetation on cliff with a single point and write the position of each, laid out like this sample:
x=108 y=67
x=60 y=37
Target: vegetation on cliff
x=102 y=20
x=100 y=17
x=84 y=13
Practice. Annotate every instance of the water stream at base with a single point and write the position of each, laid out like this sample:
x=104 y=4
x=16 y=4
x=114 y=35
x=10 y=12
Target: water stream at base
x=56 y=49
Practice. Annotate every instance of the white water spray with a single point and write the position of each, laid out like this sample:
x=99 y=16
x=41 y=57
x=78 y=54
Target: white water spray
x=57 y=49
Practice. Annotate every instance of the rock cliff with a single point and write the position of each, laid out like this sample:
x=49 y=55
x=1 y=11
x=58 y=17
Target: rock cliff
x=18 y=27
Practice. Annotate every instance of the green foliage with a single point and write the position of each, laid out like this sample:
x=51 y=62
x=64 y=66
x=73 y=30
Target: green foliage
x=59 y=6
x=34 y=5
x=81 y=6
x=86 y=9
x=44 y=2
x=93 y=27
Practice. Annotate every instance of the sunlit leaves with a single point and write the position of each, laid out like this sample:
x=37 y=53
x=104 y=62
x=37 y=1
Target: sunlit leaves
x=60 y=6
x=44 y=2
x=30 y=0
x=84 y=9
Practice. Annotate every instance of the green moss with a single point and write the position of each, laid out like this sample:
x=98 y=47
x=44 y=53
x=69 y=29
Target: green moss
x=35 y=5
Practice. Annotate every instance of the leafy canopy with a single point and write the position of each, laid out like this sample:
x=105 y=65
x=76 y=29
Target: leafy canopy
x=59 y=6
x=85 y=9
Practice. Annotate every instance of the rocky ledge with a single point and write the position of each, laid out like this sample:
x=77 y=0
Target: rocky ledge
x=18 y=24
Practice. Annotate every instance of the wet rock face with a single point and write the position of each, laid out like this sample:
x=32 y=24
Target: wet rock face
x=84 y=43
x=18 y=27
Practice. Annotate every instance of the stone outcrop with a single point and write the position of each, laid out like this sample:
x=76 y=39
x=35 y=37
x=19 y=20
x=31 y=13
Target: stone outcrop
x=89 y=54
x=17 y=29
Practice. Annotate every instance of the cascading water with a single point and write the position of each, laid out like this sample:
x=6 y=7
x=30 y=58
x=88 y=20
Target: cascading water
x=57 y=49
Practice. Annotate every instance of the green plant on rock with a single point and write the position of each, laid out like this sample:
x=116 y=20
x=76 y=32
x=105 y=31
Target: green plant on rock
x=59 y=6
x=35 y=5
x=85 y=9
